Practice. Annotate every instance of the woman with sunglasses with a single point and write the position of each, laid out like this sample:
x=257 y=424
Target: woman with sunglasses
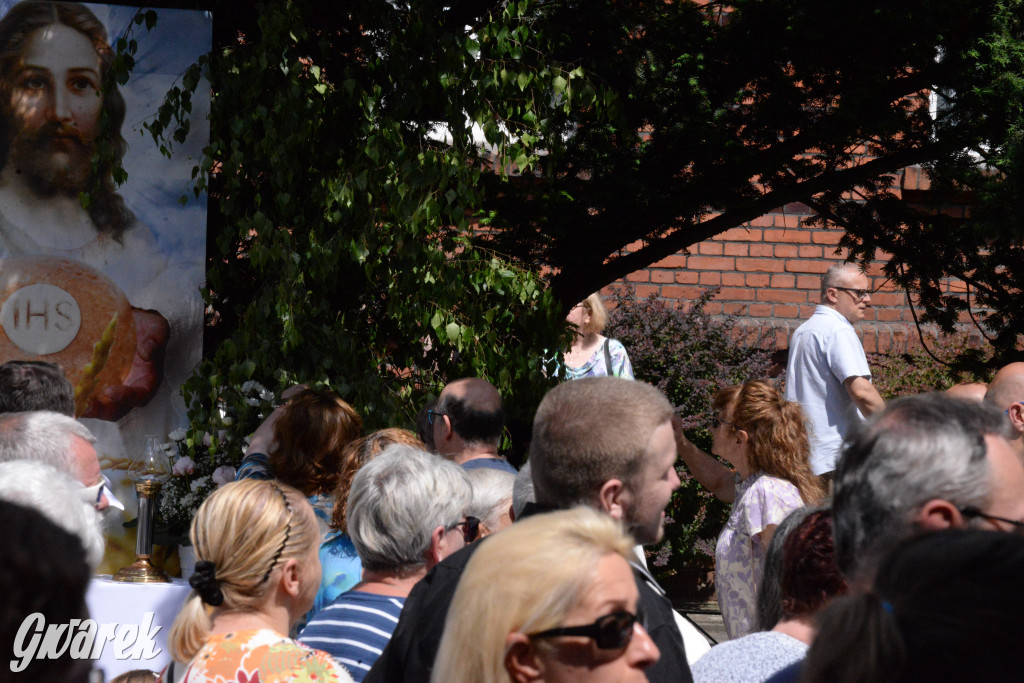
x=256 y=574
x=764 y=437
x=553 y=599
x=406 y=512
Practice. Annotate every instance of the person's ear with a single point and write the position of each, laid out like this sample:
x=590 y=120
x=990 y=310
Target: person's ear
x=446 y=428
x=521 y=659
x=742 y=436
x=291 y=578
x=612 y=498
x=1016 y=413
x=435 y=553
x=938 y=514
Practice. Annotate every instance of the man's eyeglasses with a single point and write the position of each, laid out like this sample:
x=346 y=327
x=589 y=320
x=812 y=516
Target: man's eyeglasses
x=470 y=528
x=1018 y=526
x=610 y=632
x=94 y=494
x=858 y=294
x=430 y=416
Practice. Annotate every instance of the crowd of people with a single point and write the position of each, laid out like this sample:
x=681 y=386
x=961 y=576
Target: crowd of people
x=400 y=556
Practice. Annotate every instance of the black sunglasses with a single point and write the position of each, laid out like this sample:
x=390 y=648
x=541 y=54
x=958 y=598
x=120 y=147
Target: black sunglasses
x=430 y=416
x=610 y=632
x=470 y=528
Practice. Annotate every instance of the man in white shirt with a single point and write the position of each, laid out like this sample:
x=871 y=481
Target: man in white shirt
x=828 y=373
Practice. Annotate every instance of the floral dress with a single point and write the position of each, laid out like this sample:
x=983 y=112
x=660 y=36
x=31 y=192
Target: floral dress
x=761 y=500
x=262 y=656
x=597 y=365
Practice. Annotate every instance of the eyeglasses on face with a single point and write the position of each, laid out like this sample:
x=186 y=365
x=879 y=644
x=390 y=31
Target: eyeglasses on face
x=858 y=294
x=970 y=511
x=717 y=422
x=610 y=632
x=470 y=528
x=94 y=494
x=430 y=416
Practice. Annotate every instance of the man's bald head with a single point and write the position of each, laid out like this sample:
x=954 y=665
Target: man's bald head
x=972 y=391
x=1007 y=386
x=474 y=391
x=1006 y=392
x=471 y=408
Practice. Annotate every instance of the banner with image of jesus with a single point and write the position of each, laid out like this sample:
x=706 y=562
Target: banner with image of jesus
x=107 y=288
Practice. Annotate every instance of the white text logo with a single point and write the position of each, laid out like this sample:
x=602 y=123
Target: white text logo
x=81 y=639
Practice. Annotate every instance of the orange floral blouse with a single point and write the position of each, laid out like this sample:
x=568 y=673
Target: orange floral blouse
x=262 y=656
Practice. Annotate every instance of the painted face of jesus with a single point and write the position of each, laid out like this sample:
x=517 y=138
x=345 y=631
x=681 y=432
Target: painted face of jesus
x=55 y=102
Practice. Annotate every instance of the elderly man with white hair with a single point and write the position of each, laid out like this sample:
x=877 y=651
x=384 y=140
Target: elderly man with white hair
x=407 y=511
x=60 y=441
x=492 y=499
x=57 y=497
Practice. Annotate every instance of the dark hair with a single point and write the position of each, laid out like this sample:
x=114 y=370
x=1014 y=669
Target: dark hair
x=810 y=577
x=107 y=209
x=424 y=428
x=27 y=385
x=946 y=606
x=310 y=439
x=470 y=424
x=44 y=570
x=918 y=448
x=769 y=591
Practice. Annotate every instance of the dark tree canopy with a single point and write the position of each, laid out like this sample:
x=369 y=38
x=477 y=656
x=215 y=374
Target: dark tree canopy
x=360 y=232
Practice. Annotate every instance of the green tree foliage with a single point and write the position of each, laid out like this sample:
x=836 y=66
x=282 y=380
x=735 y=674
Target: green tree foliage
x=716 y=113
x=981 y=122
x=345 y=177
x=342 y=177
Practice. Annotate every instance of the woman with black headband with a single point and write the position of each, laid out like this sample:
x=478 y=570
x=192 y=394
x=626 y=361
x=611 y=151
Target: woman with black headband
x=257 y=572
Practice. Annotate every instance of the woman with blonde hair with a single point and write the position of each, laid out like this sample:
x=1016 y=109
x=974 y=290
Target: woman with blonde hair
x=304 y=444
x=256 y=575
x=591 y=353
x=764 y=437
x=552 y=598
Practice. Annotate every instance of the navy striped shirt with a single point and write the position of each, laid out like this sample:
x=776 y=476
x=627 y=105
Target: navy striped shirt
x=354 y=629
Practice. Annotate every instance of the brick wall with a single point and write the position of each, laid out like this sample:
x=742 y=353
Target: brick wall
x=770 y=274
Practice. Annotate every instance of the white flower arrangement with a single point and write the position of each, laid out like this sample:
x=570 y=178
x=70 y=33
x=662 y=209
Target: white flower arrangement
x=205 y=459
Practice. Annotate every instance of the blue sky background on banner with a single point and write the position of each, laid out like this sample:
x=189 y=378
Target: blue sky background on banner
x=156 y=183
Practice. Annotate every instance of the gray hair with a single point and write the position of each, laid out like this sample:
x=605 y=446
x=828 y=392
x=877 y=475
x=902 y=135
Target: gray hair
x=42 y=435
x=522 y=491
x=58 y=497
x=492 y=494
x=396 y=502
x=919 y=448
x=835 y=275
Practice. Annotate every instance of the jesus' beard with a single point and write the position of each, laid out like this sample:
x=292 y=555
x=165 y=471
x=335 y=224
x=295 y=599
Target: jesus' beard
x=53 y=160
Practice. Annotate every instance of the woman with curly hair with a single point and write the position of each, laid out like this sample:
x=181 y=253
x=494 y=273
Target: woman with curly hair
x=764 y=437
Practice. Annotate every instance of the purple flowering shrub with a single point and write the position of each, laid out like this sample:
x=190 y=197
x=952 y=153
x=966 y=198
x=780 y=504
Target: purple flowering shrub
x=689 y=355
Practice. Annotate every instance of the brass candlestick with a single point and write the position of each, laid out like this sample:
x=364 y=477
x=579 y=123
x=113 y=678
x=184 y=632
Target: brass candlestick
x=149 y=473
